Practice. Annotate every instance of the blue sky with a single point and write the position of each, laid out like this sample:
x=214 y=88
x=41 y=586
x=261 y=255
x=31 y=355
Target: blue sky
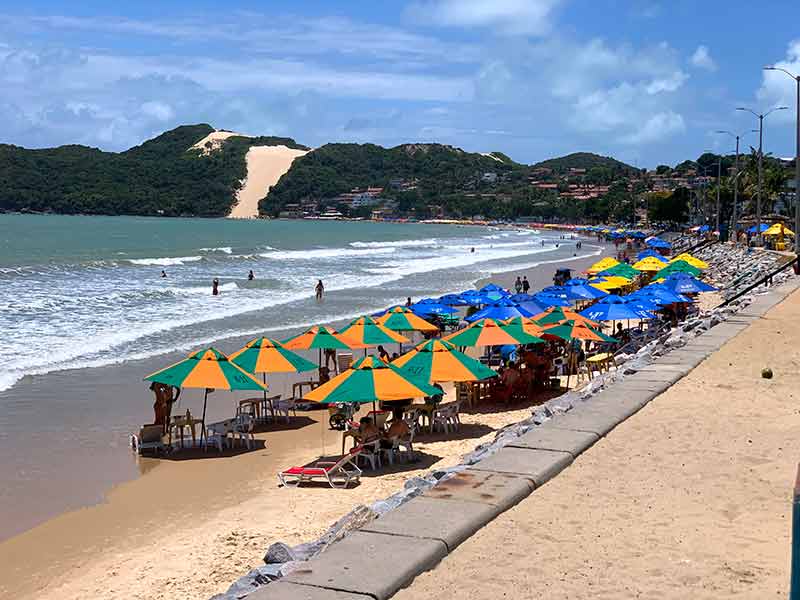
x=647 y=81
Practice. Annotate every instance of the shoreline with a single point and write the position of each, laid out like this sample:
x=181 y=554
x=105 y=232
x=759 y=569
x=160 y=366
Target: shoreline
x=73 y=545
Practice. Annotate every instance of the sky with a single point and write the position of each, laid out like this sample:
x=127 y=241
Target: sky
x=646 y=81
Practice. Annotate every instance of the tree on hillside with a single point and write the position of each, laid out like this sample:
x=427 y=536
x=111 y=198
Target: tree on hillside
x=668 y=207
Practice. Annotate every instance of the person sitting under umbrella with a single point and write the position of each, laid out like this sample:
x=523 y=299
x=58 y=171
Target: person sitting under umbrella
x=398 y=430
x=509 y=378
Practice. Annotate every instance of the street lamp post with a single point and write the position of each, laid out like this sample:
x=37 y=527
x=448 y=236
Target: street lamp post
x=796 y=161
x=760 y=162
x=735 y=178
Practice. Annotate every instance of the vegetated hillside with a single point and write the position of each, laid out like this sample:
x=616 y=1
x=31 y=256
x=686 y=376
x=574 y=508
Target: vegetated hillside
x=588 y=161
x=162 y=176
x=436 y=171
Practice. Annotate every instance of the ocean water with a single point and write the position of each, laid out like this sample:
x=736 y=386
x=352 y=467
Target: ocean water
x=80 y=292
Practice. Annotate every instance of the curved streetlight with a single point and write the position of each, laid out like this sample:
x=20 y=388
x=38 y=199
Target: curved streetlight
x=760 y=161
x=796 y=160
x=737 y=136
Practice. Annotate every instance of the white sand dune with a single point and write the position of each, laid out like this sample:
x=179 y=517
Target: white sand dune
x=216 y=138
x=265 y=166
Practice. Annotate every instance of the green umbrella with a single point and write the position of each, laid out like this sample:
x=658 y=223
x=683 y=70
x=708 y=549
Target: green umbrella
x=679 y=266
x=439 y=360
x=622 y=270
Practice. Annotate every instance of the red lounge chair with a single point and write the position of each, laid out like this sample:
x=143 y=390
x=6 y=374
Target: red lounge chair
x=338 y=474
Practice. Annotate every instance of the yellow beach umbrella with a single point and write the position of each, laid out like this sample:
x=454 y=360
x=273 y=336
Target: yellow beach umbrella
x=649 y=263
x=692 y=260
x=610 y=283
x=602 y=265
x=778 y=229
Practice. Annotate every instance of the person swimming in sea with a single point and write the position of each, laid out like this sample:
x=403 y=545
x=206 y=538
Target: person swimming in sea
x=250 y=275
x=215 y=287
x=319 y=289
x=163 y=274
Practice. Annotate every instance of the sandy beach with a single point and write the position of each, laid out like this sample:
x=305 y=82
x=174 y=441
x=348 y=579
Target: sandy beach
x=209 y=520
x=689 y=498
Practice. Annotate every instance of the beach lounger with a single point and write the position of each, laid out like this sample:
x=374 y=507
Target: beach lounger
x=337 y=474
x=150 y=438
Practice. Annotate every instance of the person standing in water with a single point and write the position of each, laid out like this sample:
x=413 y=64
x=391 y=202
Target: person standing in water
x=250 y=275
x=215 y=287
x=408 y=302
x=320 y=289
x=163 y=274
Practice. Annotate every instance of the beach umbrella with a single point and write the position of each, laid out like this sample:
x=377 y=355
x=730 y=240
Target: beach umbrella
x=644 y=307
x=499 y=311
x=401 y=318
x=557 y=314
x=686 y=284
x=612 y=282
x=209 y=369
x=488 y=332
x=472 y=298
x=520 y=298
x=653 y=253
x=602 y=265
x=550 y=299
x=265 y=355
x=492 y=287
x=371 y=380
x=778 y=229
x=680 y=266
x=638 y=235
x=316 y=338
x=453 y=300
x=439 y=361
x=365 y=332
x=527 y=324
x=433 y=308
x=692 y=260
x=649 y=263
x=584 y=291
x=658 y=243
x=661 y=294
x=575 y=330
x=611 y=308
x=762 y=228
x=621 y=270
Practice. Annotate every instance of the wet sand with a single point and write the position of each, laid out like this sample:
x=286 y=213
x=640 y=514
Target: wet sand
x=187 y=528
x=689 y=498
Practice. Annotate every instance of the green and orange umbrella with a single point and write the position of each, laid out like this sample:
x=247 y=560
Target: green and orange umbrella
x=557 y=314
x=265 y=355
x=488 y=332
x=316 y=338
x=527 y=324
x=438 y=360
x=364 y=332
x=209 y=369
x=401 y=318
x=574 y=330
x=371 y=380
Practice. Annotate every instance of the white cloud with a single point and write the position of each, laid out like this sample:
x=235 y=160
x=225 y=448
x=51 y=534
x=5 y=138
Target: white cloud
x=158 y=110
x=670 y=83
x=657 y=128
x=777 y=89
x=512 y=17
x=702 y=59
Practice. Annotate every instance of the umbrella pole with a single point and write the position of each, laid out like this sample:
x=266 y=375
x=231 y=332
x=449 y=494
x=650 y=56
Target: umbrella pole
x=374 y=414
x=203 y=421
x=264 y=379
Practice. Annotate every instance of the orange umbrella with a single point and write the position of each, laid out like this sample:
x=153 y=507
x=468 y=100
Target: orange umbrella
x=364 y=332
x=527 y=324
x=573 y=330
x=488 y=332
x=557 y=314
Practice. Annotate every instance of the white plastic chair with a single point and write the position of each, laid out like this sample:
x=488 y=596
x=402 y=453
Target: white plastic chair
x=454 y=415
x=216 y=435
x=284 y=405
x=243 y=429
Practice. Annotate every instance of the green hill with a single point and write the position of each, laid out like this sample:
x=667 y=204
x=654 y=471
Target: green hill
x=434 y=171
x=586 y=160
x=162 y=176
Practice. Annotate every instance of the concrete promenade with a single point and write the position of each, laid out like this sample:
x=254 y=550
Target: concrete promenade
x=674 y=483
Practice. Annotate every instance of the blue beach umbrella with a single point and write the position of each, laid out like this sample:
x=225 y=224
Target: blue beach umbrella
x=584 y=291
x=453 y=300
x=550 y=299
x=518 y=298
x=613 y=308
x=500 y=311
x=660 y=294
x=431 y=307
x=658 y=243
x=763 y=228
x=684 y=283
x=491 y=287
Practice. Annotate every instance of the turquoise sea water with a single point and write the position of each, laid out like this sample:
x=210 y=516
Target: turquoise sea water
x=88 y=291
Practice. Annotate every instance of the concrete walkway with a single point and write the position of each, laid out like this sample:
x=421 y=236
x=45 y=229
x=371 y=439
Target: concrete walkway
x=638 y=493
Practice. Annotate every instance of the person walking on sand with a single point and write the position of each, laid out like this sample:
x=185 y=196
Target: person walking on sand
x=526 y=286
x=215 y=287
x=250 y=275
x=320 y=289
x=518 y=284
